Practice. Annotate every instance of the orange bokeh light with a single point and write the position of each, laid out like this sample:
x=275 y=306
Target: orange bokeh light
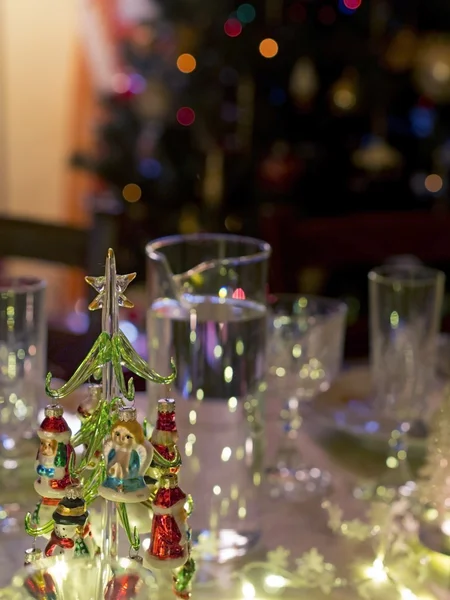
x=268 y=48
x=186 y=63
x=434 y=183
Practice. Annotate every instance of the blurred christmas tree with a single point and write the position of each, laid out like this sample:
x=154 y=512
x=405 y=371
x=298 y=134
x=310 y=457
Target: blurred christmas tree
x=221 y=107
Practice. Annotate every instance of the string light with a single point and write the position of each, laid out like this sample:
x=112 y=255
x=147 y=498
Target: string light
x=186 y=63
x=233 y=27
x=248 y=590
x=185 y=116
x=132 y=192
x=377 y=571
x=268 y=48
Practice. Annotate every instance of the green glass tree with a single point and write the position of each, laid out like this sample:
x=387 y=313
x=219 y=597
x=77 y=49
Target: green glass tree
x=109 y=354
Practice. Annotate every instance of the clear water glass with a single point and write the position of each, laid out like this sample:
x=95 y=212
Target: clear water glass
x=23 y=359
x=305 y=355
x=405 y=305
x=207 y=309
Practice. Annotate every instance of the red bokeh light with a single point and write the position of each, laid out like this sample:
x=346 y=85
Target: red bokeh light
x=185 y=116
x=233 y=27
x=238 y=294
x=352 y=4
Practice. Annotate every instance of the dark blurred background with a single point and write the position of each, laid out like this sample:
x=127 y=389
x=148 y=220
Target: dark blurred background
x=322 y=126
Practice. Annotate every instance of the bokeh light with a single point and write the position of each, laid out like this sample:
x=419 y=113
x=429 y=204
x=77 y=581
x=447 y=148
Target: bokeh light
x=233 y=27
x=186 y=63
x=343 y=8
x=268 y=48
x=352 y=4
x=132 y=192
x=246 y=13
x=422 y=120
x=185 y=116
x=433 y=183
x=120 y=83
x=137 y=83
x=150 y=168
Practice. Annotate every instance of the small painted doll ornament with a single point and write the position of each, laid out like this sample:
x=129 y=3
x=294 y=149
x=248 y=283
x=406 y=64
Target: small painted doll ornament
x=128 y=455
x=54 y=454
x=86 y=409
x=71 y=534
x=165 y=435
x=169 y=540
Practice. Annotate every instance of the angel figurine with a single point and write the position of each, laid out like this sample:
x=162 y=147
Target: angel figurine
x=128 y=455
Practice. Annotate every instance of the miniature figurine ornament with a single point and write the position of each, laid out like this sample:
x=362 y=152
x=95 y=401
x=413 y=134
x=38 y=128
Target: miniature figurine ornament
x=128 y=455
x=54 y=454
x=165 y=435
x=169 y=541
x=71 y=533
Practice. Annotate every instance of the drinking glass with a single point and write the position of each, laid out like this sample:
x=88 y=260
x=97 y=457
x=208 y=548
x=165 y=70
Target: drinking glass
x=405 y=304
x=207 y=309
x=305 y=355
x=23 y=359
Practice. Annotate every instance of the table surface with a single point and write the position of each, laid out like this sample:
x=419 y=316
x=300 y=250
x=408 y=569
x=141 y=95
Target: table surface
x=295 y=526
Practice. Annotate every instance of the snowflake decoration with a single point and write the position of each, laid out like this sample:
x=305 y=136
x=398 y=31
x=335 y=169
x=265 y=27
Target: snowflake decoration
x=311 y=572
x=354 y=529
x=207 y=545
x=397 y=558
x=279 y=558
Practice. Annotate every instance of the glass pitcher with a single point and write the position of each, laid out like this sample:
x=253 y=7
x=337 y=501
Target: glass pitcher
x=207 y=310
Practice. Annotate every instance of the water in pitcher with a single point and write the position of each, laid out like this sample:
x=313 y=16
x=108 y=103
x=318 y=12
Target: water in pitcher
x=219 y=349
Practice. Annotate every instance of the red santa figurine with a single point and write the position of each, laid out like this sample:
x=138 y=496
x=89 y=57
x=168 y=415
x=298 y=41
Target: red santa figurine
x=169 y=541
x=165 y=435
x=53 y=457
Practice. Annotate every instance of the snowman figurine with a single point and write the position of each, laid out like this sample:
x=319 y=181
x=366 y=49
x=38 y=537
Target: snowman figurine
x=71 y=534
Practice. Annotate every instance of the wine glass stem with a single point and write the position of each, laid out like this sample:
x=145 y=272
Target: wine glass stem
x=398 y=456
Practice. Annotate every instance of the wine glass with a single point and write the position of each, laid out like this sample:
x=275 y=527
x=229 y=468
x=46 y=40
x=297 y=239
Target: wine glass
x=405 y=306
x=306 y=342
